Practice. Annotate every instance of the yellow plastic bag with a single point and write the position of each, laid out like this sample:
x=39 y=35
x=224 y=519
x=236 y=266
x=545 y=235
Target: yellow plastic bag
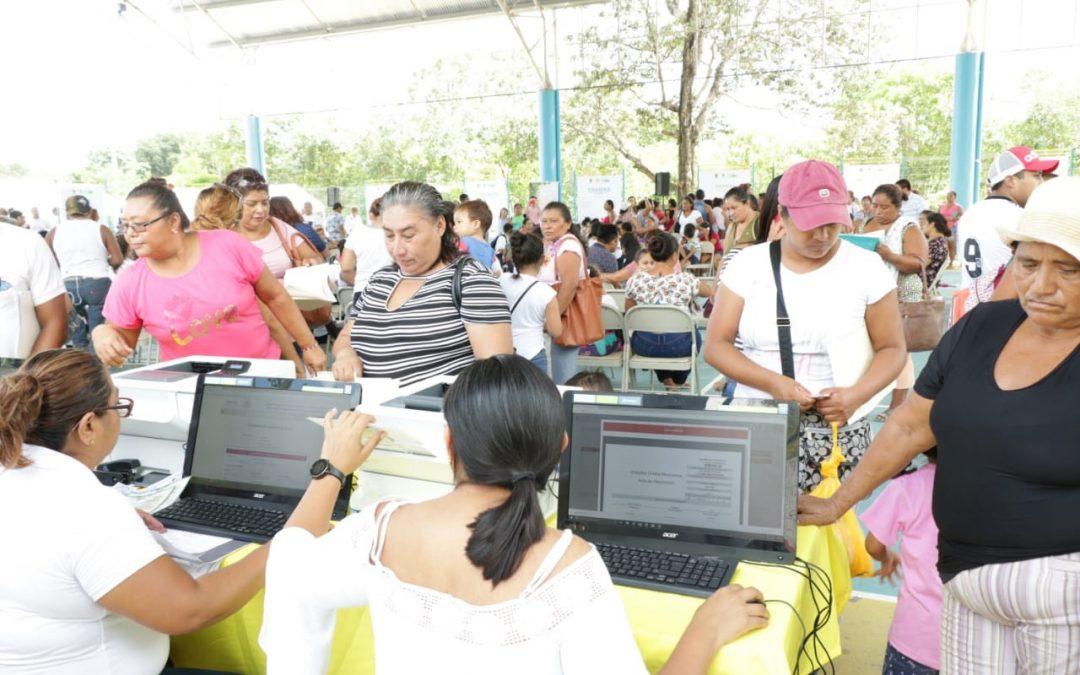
x=848 y=526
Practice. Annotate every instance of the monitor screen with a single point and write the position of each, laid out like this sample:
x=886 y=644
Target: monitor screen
x=726 y=475
x=262 y=434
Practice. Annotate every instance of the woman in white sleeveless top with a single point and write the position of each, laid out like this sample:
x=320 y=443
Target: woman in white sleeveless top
x=88 y=253
x=471 y=582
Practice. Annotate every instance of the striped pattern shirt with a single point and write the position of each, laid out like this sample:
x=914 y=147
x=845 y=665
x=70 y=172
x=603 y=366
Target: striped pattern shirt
x=426 y=335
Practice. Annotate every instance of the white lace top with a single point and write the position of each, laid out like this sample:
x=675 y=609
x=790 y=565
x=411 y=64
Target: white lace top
x=570 y=622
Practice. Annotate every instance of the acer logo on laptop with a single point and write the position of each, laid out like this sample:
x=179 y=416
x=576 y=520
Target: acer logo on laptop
x=669 y=535
x=259 y=495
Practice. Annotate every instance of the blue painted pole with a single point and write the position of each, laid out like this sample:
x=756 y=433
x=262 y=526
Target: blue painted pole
x=962 y=169
x=977 y=184
x=550 y=138
x=256 y=153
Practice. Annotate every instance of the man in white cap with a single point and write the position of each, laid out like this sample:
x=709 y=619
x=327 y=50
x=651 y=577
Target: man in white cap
x=1013 y=176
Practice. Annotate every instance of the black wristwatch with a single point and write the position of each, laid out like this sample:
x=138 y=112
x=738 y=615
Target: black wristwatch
x=323 y=467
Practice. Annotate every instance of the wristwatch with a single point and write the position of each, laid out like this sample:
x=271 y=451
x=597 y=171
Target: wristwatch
x=322 y=467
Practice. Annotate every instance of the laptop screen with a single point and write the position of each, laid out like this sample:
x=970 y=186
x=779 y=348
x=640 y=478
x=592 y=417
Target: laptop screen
x=261 y=434
x=682 y=467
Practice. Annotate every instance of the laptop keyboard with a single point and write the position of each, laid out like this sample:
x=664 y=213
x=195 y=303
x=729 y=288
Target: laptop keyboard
x=247 y=520
x=660 y=570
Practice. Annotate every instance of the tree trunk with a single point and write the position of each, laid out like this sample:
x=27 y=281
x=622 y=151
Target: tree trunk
x=690 y=55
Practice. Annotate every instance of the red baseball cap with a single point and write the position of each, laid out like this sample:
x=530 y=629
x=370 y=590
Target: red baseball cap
x=814 y=194
x=1015 y=160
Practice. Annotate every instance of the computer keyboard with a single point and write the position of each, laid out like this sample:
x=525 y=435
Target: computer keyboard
x=658 y=570
x=251 y=522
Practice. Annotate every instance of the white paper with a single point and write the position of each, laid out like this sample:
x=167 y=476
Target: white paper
x=310 y=283
x=410 y=431
x=188 y=545
x=156 y=496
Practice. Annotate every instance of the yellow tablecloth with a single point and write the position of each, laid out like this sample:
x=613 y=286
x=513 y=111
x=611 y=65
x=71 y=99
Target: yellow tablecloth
x=657 y=619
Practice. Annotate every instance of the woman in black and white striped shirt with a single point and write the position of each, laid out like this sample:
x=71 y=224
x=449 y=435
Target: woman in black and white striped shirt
x=407 y=323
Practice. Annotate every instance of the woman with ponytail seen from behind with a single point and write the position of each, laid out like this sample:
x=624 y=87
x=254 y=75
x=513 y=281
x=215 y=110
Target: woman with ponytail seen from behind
x=473 y=582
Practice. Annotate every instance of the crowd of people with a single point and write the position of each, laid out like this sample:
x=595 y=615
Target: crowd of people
x=986 y=545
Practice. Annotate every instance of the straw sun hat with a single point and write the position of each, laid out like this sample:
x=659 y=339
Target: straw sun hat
x=1052 y=216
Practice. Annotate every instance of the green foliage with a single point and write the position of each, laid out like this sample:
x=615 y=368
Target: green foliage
x=13 y=170
x=158 y=153
x=886 y=115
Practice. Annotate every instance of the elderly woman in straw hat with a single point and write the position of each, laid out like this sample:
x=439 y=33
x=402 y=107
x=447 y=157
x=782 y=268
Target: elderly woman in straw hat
x=999 y=400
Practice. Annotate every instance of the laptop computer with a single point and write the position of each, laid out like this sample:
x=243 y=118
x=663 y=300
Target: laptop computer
x=250 y=446
x=674 y=490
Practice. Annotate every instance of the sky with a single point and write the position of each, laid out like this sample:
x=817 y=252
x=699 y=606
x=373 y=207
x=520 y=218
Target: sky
x=79 y=77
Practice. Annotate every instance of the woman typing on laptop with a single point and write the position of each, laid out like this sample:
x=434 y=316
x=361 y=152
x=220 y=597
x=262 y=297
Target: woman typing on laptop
x=472 y=581
x=84 y=586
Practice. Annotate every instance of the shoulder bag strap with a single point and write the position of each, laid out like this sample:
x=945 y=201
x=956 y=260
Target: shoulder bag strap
x=522 y=296
x=286 y=243
x=783 y=323
x=455 y=287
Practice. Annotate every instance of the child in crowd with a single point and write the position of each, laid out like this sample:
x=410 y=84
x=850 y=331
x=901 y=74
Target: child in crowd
x=533 y=307
x=691 y=246
x=501 y=246
x=591 y=380
x=472 y=220
x=903 y=508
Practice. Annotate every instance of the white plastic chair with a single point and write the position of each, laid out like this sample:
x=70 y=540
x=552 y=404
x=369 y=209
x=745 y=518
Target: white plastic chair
x=612 y=321
x=344 y=299
x=659 y=319
x=619 y=296
x=708 y=268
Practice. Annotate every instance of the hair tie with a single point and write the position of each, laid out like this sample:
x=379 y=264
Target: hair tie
x=518 y=477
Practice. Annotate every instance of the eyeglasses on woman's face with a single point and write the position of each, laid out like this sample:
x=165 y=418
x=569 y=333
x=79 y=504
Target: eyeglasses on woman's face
x=123 y=407
x=139 y=228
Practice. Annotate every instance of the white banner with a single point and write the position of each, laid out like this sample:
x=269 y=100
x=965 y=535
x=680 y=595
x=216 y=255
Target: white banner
x=547 y=193
x=493 y=192
x=862 y=179
x=717 y=183
x=593 y=191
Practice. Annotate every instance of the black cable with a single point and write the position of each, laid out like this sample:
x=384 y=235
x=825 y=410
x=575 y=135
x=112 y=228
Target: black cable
x=802 y=624
x=821 y=595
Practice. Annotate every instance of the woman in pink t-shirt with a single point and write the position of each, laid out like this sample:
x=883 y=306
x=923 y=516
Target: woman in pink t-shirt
x=903 y=508
x=195 y=292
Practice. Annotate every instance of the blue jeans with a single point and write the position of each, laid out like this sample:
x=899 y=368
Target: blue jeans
x=540 y=360
x=665 y=345
x=898 y=664
x=563 y=363
x=87 y=299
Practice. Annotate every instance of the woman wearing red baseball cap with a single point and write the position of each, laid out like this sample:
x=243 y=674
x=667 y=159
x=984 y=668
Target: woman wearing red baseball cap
x=834 y=293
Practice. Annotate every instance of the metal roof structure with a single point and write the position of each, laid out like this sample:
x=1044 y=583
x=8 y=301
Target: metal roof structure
x=251 y=23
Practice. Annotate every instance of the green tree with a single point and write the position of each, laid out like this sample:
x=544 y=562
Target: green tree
x=883 y=114
x=661 y=73
x=14 y=170
x=159 y=153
